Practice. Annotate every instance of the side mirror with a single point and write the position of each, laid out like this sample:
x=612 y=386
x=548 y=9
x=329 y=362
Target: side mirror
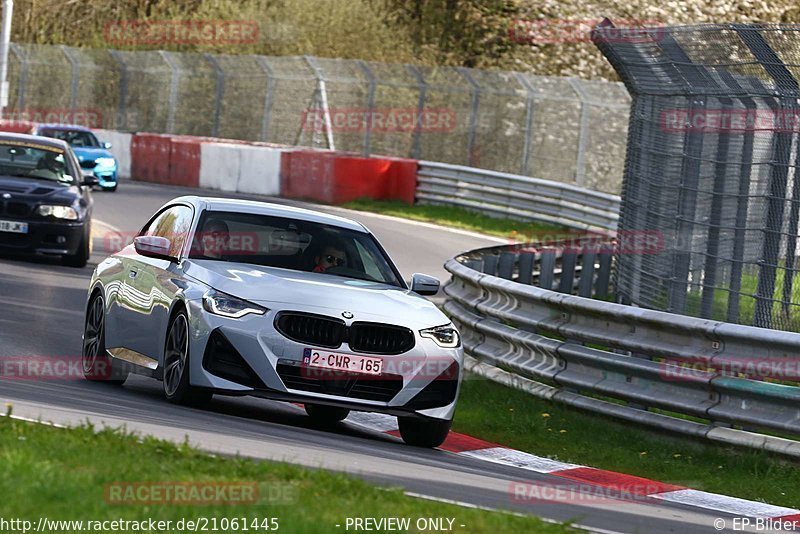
x=153 y=247
x=106 y=144
x=422 y=284
x=89 y=179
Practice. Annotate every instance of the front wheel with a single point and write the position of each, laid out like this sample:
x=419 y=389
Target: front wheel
x=422 y=433
x=326 y=415
x=176 y=365
x=97 y=364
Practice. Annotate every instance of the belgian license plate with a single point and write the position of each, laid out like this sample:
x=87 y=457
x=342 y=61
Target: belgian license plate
x=14 y=227
x=335 y=361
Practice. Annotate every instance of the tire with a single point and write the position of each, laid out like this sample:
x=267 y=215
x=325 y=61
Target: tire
x=81 y=256
x=422 y=433
x=326 y=415
x=96 y=363
x=176 y=365
x=112 y=189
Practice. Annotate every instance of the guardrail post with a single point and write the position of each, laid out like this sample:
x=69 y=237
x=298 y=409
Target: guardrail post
x=567 y=281
x=547 y=267
x=473 y=117
x=586 y=281
x=526 y=263
x=601 y=288
x=173 y=89
x=268 y=96
x=219 y=93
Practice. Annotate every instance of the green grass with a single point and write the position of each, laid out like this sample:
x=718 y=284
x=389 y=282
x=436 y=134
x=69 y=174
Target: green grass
x=516 y=419
x=457 y=217
x=65 y=473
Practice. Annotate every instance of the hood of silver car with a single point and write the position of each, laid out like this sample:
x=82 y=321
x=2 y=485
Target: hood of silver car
x=328 y=294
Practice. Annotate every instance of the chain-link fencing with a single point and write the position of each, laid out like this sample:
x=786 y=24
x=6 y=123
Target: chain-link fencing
x=712 y=163
x=560 y=129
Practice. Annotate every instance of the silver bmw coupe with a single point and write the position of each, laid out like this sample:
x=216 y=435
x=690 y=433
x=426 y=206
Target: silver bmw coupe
x=234 y=297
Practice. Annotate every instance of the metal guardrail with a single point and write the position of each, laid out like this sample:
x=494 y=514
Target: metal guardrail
x=518 y=318
x=520 y=197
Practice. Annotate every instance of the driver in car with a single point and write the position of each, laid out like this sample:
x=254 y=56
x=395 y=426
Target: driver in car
x=215 y=238
x=50 y=166
x=331 y=256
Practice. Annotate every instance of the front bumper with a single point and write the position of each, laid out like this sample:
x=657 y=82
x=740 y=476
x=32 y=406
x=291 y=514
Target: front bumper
x=48 y=238
x=106 y=177
x=249 y=356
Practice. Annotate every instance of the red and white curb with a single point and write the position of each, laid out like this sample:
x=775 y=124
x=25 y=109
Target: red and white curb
x=636 y=486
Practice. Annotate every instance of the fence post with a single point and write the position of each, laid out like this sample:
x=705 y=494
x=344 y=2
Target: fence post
x=264 y=63
x=124 y=80
x=416 y=147
x=22 y=86
x=322 y=91
x=473 y=118
x=74 y=74
x=529 y=114
x=219 y=92
x=173 y=90
x=370 y=106
x=580 y=163
x=779 y=175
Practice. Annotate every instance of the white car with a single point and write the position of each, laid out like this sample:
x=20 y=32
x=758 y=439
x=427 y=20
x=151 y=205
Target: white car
x=219 y=296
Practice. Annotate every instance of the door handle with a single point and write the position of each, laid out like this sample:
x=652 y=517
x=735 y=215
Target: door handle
x=133 y=273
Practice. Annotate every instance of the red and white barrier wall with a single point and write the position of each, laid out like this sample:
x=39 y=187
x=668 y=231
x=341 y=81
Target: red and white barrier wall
x=231 y=165
x=259 y=168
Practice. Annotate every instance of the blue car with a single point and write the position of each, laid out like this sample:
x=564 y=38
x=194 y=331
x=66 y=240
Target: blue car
x=92 y=154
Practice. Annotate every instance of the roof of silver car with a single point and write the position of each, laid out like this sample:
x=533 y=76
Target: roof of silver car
x=276 y=210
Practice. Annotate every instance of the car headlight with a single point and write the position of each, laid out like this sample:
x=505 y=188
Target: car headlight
x=105 y=162
x=59 y=212
x=228 y=306
x=445 y=336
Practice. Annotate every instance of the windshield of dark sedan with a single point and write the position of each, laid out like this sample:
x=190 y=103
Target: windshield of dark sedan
x=31 y=160
x=75 y=138
x=292 y=244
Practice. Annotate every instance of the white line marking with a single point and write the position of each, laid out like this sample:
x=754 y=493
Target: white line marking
x=373 y=421
x=723 y=503
x=523 y=460
x=517 y=514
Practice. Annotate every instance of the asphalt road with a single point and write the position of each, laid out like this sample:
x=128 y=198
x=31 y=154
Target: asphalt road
x=42 y=315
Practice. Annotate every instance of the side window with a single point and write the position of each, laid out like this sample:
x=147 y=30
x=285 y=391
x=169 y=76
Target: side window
x=173 y=223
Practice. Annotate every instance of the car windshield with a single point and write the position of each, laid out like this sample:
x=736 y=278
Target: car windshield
x=292 y=244
x=30 y=160
x=75 y=138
